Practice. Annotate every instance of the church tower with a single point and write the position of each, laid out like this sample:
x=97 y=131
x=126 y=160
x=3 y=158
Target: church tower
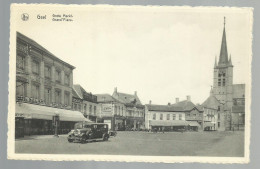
x=223 y=75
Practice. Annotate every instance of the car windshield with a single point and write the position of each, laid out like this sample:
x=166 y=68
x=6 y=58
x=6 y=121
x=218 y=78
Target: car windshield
x=78 y=126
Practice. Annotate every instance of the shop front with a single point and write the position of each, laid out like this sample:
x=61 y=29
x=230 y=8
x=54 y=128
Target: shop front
x=33 y=119
x=209 y=126
x=193 y=126
x=176 y=125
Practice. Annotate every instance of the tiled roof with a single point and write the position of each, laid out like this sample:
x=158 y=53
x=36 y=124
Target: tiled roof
x=238 y=109
x=127 y=98
x=75 y=94
x=164 y=108
x=186 y=105
x=32 y=42
x=211 y=102
x=105 y=98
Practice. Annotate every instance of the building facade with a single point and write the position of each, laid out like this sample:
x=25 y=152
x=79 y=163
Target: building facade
x=86 y=103
x=112 y=112
x=164 y=117
x=193 y=113
x=134 y=110
x=43 y=82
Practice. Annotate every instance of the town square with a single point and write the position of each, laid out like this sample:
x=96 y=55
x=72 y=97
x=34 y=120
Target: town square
x=185 y=97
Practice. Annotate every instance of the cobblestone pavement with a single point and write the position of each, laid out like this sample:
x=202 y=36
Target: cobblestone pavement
x=226 y=144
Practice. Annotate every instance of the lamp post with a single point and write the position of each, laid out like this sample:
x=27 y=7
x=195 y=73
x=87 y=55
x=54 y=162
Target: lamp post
x=56 y=122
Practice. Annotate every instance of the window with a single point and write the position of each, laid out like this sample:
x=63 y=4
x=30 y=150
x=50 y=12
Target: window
x=85 y=108
x=67 y=79
x=47 y=96
x=180 y=116
x=224 y=82
x=154 y=116
x=161 y=116
x=20 y=88
x=219 y=82
x=20 y=62
x=95 y=110
x=218 y=124
x=224 y=74
x=57 y=76
x=57 y=96
x=115 y=110
x=80 y=107
x=218 y=115
x=219 y=75
x=168 y=116
x=90 y=108
x=218 y=108
x=35 y=67
x=47 y=72
x=67 y=98
x=174 y=117
x=35 y=91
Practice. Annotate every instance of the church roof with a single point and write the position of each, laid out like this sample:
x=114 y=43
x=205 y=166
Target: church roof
x=223 y=56
x=211 y=102
x=238 y=90
x=238 y=109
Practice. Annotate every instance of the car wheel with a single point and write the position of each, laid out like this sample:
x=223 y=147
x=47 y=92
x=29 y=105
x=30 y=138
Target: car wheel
x=105 y=138
x=83 y=140
x=70 y=140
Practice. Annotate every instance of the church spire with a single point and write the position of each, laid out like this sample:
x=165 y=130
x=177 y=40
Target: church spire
x=230 y=61
x=215 y=65
x=223 y=56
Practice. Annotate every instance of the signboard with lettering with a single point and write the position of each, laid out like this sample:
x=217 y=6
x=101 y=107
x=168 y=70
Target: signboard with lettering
x=106 y=110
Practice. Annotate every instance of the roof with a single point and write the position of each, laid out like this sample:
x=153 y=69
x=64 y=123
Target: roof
x=238 y=109
x=127 y=98
x=194 y=123
x=168 y=123
x=75 y=94
x=186 y=105
x=238 y=90
x=211 y=102
x=37 y=45
x=164 y=108
x=223 y=56
x=105 y=98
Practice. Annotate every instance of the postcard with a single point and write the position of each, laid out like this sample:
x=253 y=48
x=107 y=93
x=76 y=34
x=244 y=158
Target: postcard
x=164 y=84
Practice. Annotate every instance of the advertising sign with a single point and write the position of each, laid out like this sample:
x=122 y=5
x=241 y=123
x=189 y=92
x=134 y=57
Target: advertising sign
x=107 y=110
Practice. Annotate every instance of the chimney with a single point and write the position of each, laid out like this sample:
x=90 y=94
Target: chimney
x=177 y=100
x=150 y=102
x=115 y=89
x=135 y=93
x=188 y=98
x=169 y=104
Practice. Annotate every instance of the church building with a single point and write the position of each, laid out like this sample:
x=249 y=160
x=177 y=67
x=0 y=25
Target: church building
x=231 y=97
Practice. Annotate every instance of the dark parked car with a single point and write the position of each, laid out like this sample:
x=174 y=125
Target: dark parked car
x=85 y=132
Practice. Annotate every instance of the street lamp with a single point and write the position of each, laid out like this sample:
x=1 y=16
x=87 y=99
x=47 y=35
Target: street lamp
x=56 y=120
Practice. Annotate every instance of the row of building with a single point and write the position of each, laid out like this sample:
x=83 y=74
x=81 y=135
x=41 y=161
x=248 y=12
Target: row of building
x=44 y=89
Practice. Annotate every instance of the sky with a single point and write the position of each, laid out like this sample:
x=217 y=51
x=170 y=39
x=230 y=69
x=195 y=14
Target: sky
x=160 y=52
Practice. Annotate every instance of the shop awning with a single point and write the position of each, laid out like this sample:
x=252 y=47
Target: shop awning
x=31 y=111
x=194 y=124
x=208 y=124
x=169 y=123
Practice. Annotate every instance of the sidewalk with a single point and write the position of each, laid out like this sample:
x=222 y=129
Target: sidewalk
x=38 y=137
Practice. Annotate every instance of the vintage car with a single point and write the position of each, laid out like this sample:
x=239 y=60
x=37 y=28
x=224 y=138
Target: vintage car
x=84 y=132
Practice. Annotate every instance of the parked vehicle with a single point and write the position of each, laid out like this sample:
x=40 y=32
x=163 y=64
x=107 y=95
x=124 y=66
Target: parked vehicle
x=112 y=133
x=85 y=132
